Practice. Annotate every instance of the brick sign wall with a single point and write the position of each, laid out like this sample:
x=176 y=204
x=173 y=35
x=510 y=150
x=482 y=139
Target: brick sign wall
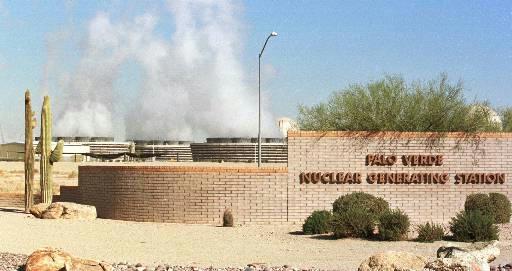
x=185 y=194
x=427 y=175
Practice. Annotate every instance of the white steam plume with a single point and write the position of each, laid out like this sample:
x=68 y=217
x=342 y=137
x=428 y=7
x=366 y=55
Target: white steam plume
x=88 y=96
x=193 y=85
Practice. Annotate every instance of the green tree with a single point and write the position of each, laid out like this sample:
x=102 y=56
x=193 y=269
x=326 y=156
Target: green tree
x=390 y=104
x=506 y=117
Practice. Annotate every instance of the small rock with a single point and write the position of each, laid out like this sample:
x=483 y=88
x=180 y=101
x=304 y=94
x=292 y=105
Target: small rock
x=38 y=209
x=392 y=260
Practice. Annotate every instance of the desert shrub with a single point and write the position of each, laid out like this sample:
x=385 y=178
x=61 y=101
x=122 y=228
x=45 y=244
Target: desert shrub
x=500 y=207
x=392 y=104
x=353 y=222
x=393 y=226
x=495 y=204
x=360 y=200
x=227 y=218
x=480 y=202
x=430 y=232
x=318 y=222
x=473 y=226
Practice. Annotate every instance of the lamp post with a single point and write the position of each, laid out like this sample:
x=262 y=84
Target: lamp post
x=273 y=34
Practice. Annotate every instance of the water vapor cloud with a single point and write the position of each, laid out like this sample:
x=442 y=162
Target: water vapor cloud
x=193 y=84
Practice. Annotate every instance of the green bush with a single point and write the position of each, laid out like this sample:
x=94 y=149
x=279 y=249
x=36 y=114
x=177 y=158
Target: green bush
x=393 y=226
x=354 y=222
x=495 y=204
x=318 y=222
x=430 y=232
x=500 y=207
x=360 y=200
x=480 y=202
x=473 y=226
x=392 y=104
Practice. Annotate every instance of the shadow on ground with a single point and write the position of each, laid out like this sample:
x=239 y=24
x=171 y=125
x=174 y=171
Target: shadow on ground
x=11 y=210
x=323 y=237
x=316 y=236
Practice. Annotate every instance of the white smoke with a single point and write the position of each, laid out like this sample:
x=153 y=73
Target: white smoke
x=88 y=97
x=193 y=84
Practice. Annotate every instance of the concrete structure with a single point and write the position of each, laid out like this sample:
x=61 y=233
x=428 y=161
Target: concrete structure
x=165 y=150
x=12 y=151
x=77 y=149
x=427 y=175
x=240 y=149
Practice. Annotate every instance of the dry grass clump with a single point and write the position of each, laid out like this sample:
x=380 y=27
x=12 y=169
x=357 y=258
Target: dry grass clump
x=73 y=174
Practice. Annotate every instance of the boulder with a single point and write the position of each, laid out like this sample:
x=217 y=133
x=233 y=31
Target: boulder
x=66 y=210
x=54 y=211
x=393 y=261
x=47 y=259
x=475 y=257
x=38 y=209
x=73 y=210
x=50 y=259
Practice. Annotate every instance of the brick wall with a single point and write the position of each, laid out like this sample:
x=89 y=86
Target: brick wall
x=275 y=195
x=69 y=193
x=185 y=194
x=346 y=152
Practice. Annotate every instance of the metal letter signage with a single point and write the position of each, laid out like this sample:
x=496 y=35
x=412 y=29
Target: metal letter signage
x=381 y=160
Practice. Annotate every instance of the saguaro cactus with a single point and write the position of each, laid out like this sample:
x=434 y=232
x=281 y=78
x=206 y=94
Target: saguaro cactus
x=30 y=124
x=48 y=157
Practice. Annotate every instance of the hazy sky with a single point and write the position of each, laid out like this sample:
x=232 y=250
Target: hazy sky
x=322 y=46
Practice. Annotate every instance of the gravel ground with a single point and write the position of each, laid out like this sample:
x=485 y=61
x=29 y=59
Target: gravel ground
x=16 y=262
x=195 y=247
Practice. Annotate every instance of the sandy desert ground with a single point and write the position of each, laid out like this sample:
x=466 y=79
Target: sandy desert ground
x=197 y=245
x=12 y=176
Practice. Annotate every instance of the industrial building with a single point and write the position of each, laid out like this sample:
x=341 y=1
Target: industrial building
x=244 y=150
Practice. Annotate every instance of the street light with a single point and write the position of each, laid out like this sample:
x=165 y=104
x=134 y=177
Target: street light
x=273 y=34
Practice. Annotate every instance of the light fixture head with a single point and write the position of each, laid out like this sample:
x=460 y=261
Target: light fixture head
x=273 y=34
